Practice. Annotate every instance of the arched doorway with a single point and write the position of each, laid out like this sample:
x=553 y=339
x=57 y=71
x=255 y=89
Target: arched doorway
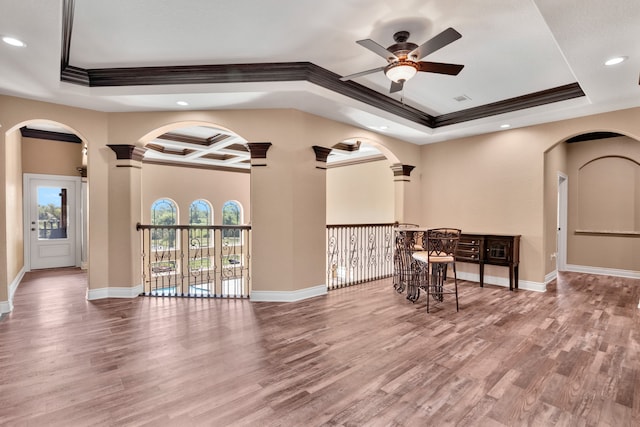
x=361 y=209
x=598 y=174
x=54 y=194
x=202 y=169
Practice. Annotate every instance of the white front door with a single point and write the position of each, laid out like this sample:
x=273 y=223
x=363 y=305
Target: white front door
x=51 y=220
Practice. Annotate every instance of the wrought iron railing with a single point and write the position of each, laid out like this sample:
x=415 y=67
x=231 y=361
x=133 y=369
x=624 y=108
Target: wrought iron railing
x=196 y=261
x=358 y=253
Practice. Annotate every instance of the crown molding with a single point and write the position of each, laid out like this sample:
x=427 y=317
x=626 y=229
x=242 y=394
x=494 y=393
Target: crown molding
x=287 y=71
x=49 y=135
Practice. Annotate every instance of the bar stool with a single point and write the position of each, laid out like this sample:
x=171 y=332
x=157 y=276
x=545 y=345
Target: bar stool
x=431 y=273
x=407 y=241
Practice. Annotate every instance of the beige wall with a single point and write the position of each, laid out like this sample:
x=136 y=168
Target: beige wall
x=489 y=183
x=290 y=191
x=185 y=185
x=360 y=194
x=12 y=235
x=604 y=197
x=51 y=157
x=496 y=183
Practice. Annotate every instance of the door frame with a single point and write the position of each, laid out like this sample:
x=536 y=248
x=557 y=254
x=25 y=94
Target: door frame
x=26 y=208
x=563 y=212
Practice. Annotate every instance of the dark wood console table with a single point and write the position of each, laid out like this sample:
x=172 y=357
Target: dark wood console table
x=491 y=249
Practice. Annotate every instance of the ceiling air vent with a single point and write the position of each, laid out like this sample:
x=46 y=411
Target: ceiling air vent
x=462 y=98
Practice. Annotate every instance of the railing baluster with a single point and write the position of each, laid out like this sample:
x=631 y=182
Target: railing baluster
x=358 y=253
x=196 y=260
x=214 y=261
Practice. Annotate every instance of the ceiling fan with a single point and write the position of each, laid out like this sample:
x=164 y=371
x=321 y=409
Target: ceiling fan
x=404 y=57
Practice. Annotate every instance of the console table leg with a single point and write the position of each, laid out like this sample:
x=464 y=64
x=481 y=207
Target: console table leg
x=511 y=277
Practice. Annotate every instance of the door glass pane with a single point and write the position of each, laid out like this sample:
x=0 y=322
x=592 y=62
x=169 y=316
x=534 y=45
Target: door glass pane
x=52 y=213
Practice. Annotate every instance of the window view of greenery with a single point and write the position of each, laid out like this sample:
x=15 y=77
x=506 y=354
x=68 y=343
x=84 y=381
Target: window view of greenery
x=52 y=215
x=200 y=214
x=163 y=212
x=231 y=215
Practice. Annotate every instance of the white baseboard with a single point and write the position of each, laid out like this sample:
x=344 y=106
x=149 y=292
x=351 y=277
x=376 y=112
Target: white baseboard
x=288 y=296
x=7 y=306
x=629 y=274
x=550 y=277
x=114 y=292
x=504 y=281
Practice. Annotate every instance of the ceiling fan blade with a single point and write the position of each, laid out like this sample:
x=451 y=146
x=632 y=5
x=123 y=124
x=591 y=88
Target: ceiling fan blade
x=396 y=87
x=440 y=68
x=437 y=42
x=361 y=73
x=376 y=48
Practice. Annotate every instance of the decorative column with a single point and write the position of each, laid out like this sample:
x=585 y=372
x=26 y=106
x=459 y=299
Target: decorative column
x=125 y=211
x=84 y=256
x=288 y=221
x=401 y=181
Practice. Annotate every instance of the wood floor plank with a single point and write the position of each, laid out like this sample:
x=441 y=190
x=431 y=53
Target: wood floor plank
x=358 y=356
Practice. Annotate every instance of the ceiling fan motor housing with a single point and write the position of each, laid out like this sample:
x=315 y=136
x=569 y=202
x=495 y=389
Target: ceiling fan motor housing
x=402 y=47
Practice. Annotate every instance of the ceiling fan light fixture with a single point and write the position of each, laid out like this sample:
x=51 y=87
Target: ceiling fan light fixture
x=401 y=71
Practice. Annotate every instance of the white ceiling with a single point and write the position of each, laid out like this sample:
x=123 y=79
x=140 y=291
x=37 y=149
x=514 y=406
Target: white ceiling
x=510 y=48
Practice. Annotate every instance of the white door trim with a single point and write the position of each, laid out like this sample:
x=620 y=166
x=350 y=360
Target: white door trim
x=26 y=207
x=563 y=212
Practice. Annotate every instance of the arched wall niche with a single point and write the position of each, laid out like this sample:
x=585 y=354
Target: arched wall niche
x=608 y=195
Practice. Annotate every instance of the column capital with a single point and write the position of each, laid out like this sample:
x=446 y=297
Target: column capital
x=322 y=153
x=127 y=151
x=258 y=151
x=402 y=170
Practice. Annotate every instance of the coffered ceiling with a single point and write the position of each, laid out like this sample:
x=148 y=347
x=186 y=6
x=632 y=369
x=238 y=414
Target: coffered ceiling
x=525 y=61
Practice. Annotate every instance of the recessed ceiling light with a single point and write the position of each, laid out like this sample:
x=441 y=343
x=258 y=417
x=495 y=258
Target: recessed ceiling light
x=13 y=41
x=506 y=125
x=616 y=60
x=182 y=103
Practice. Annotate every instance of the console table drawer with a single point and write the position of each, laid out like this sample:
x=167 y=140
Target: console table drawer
x=491 y=249
x=469 y=248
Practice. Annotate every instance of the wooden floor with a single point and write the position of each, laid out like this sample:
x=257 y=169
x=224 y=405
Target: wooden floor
x=359 y=356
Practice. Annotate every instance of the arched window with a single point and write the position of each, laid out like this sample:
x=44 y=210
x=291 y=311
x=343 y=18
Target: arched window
x=231 y=213
x=163 y=212
x=200 y=213
x=232 y=237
